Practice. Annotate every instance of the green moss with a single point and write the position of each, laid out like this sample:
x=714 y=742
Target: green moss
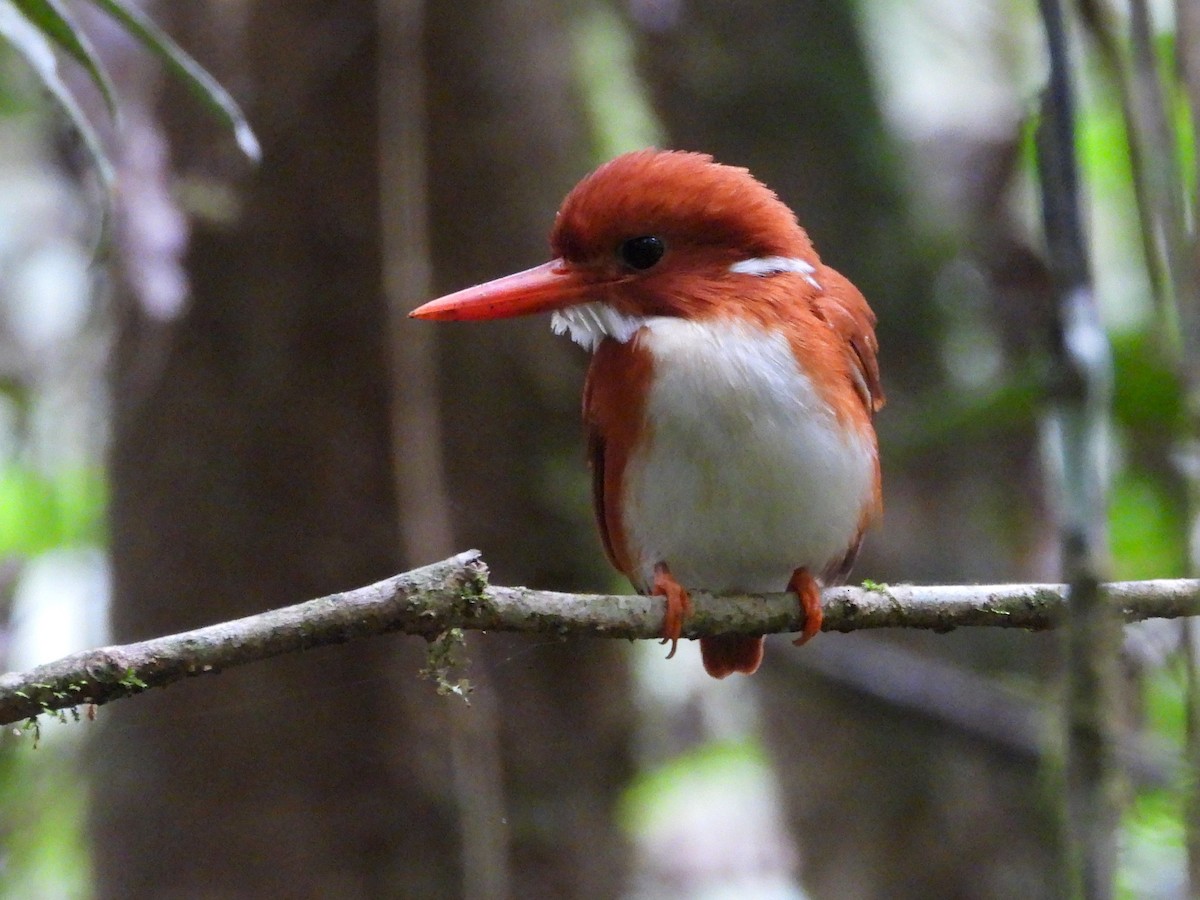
x=445 y=657
x=131 y=680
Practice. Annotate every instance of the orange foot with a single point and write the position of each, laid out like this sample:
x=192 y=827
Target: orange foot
x=805 y=587
x=679 y=605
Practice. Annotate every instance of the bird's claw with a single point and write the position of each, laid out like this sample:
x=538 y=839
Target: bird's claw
x=679 y=605
x=805 y=587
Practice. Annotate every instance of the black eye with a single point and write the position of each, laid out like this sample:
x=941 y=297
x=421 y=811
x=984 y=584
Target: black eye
x=641 y=252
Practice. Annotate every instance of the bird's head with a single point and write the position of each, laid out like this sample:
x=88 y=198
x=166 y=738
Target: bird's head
x=650 y=233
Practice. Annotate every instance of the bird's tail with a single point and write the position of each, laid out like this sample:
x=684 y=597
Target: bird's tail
x=724 y=654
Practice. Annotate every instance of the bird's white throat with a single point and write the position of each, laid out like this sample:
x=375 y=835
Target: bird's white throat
x=590 y=323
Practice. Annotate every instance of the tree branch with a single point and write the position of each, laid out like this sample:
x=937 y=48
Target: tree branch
x=454 y=594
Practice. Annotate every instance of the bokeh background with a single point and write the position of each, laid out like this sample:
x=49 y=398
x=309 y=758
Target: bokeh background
x=231 y=413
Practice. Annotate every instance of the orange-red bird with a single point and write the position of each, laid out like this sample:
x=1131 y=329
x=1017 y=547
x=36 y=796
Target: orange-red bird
x=729 y=401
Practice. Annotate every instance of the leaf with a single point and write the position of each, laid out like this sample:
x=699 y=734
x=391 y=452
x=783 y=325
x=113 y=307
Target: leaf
x=203 y=85
x=28 y=40
x=50 y=17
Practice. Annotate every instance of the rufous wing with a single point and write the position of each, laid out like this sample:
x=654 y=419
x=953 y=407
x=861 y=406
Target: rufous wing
x=614 y=401
x=842 y=306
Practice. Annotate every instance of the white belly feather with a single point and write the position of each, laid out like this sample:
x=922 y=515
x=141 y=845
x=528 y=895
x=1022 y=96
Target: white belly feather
x=746 y=474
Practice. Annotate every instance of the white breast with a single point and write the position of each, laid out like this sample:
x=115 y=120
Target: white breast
x=746 y=474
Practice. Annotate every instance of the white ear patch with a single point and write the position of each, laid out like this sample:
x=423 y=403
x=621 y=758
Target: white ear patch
x=590 y=323
x=775 y=265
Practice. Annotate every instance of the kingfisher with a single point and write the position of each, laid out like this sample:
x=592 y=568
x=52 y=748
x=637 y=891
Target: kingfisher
x=730 y=400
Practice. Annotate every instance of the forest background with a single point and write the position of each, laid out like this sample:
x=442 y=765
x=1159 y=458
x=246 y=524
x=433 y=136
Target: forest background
x=234 y=416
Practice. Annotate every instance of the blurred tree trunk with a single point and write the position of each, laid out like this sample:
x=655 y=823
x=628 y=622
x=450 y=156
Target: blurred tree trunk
x=507 y=141
x=883 y=804
x=251 y=467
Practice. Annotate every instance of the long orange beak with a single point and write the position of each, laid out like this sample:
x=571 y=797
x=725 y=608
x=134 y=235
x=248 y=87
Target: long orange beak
x=551 y=285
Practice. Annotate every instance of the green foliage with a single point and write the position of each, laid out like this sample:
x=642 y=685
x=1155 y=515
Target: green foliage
x=44 y=803
x=1147 y=395
x=33 y=38
x=1146 y=524
x=1103 y=147
x=206 y=88
x=1148 y=515
x=619 y=111
x=52 y=20
x=39 y=513
x=1102 y=134
x=1177 y=104
x=719 y=762
x=1165 y=699
x=1152 y=830
x=42 y=838
x=1152 y=839
x=41 y=30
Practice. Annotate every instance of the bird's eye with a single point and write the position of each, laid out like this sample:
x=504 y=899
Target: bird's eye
x=641 y=252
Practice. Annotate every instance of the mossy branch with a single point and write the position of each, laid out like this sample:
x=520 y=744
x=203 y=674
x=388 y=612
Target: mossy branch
x=454 y=593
